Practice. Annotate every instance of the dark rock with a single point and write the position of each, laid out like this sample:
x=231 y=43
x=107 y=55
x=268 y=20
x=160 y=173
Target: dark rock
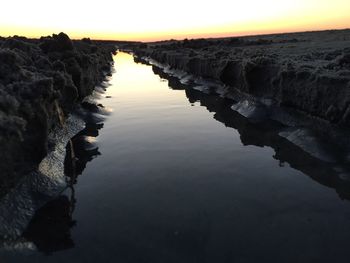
x=58 y=66
x=90 y=106
x=41 y=81
x=56 y=43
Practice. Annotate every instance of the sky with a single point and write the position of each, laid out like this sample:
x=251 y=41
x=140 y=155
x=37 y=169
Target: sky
x=149 y=20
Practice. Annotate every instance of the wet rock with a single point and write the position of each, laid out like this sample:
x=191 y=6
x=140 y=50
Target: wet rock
x=91 y=106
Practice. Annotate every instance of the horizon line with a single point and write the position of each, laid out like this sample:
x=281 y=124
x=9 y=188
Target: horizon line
x=190 y=36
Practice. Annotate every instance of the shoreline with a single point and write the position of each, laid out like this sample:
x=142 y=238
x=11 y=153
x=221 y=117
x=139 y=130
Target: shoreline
x=42 y=82
x=326 y=148
x=307 y=72
x=57 y=173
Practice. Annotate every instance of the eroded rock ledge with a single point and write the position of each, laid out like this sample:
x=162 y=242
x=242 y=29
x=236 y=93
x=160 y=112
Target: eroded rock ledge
x=41 y=81
x=308 y=72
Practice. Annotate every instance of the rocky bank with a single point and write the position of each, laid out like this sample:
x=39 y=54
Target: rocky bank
x=41 y=82
x=306 y=72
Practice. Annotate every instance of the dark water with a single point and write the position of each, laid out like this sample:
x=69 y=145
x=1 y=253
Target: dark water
x=175 y=175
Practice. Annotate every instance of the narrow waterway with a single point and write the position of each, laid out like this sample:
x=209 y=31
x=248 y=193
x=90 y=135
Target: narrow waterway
x=174 y=175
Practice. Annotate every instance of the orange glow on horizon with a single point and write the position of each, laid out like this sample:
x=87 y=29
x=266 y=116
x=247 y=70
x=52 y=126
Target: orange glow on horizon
x=152 y=20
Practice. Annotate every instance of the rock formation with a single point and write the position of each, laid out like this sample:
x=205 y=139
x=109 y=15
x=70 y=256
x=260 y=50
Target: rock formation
x=41 y=81
x=308 y=72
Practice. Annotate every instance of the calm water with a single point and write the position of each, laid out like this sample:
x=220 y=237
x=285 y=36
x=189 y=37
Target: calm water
x=176 y=176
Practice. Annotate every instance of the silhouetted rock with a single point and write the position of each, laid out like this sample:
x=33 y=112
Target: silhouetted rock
x=56 y=43
x=41 y=81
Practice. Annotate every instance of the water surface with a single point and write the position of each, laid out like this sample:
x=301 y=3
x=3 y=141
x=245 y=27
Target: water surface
x=174 y=175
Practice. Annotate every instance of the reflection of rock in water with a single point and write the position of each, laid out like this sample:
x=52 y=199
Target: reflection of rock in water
x=80 y=151
x=174 y=82
x=50 y=228
x=267 y=133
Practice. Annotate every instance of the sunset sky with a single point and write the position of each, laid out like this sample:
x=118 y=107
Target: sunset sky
x=157 y=19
